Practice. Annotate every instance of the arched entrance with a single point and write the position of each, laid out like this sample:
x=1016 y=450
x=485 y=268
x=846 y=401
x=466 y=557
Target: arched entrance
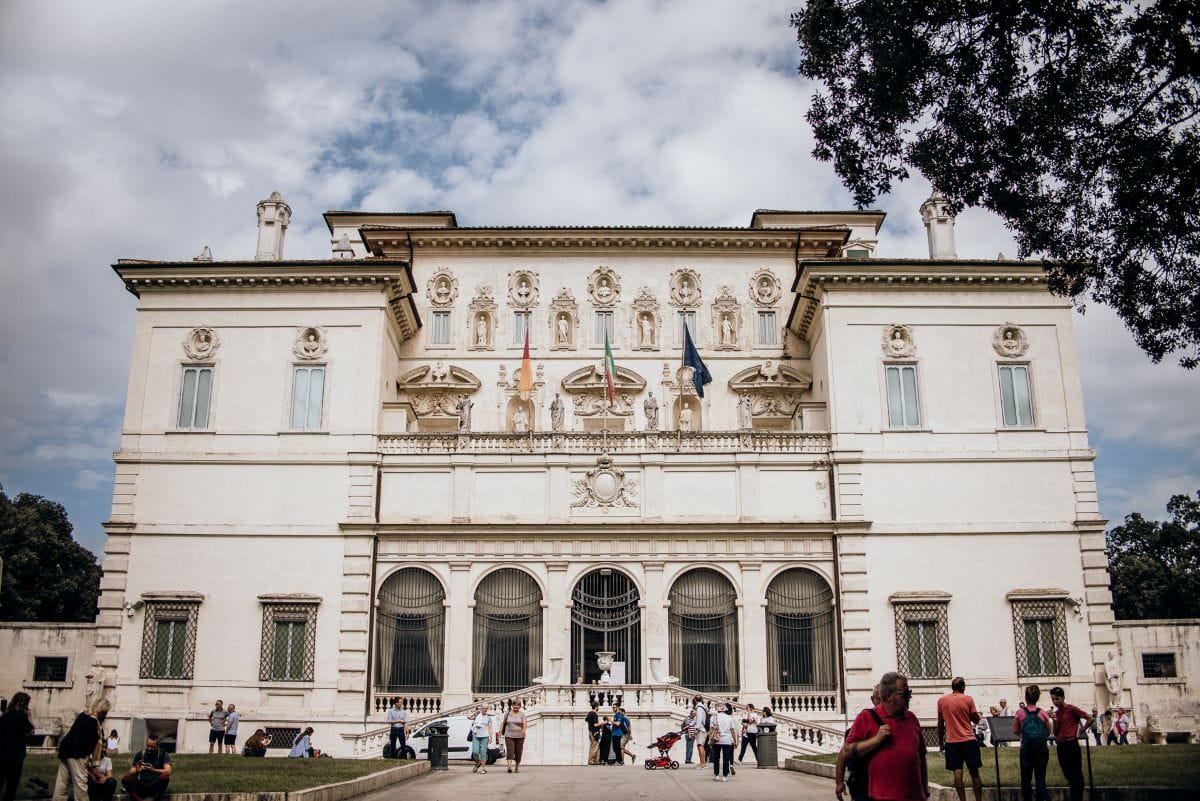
x=605 y=616
x=800 y=635
x=507 y=641
x=704 y=631
x=410 y=633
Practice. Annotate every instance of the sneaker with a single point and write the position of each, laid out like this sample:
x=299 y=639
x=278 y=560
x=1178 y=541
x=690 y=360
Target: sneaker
x=724 y=778
x=483 y=770
x=716 y=778
x=476 y=768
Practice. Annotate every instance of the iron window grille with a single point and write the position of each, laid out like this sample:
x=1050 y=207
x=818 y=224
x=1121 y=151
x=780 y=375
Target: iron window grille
x=1159 y=666
x=1040 y=634
x=923 y=640
x=50 y=668
x=281 y=736
x=289 y=642
x=169 y=639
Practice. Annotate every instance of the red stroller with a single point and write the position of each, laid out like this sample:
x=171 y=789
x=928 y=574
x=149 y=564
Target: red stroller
x=663 y=760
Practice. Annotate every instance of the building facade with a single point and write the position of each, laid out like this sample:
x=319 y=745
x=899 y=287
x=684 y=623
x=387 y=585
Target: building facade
x=335 y=485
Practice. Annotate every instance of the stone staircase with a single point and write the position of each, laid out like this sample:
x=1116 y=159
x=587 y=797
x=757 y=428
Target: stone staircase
x=557 y=733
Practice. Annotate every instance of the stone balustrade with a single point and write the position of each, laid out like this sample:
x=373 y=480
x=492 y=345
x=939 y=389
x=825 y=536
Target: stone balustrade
x=417 y=705
x=805 y=703
x=621 y=442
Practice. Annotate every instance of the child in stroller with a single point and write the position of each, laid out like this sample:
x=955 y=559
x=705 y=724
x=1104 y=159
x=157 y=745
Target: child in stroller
x=663 y=760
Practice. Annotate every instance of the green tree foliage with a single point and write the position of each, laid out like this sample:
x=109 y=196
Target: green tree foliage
x=1075 y=121
x=1155 y=567
x=47 y=574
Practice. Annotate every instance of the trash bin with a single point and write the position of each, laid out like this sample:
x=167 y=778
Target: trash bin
x=439 y=746
x=768 y=748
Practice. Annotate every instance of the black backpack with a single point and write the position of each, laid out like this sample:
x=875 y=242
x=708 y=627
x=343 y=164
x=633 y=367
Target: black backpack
x=856 y=766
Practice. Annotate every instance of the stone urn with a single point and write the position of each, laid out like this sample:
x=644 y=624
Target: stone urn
x=604 y=661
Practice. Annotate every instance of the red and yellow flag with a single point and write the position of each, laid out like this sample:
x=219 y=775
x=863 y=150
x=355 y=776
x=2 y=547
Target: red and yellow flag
x=525 y=383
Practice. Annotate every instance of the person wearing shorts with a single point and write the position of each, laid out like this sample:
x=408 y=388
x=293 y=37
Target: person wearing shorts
x=231 y=727
x=957 y=717
x=216 y=732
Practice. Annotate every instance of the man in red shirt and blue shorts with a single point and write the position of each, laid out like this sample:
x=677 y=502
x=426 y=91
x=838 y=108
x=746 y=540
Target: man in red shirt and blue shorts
x=957 y=717
x=894 y=747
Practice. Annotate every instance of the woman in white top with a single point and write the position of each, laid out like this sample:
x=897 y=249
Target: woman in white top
x=481 y=732
x=724 y=729
x=113 y=741
x=750 y=730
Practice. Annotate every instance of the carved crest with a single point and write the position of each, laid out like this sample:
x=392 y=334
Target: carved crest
x=201 y=343
x=604 y=287
x=311 y=343
x=436 y=390
x=645 y=320
x=564 y=321
x=764 y=288
x=605 y=485
x=898 y=341
x=482 y=320
x=727 y=320
x=441 y=288
x=685 y=289
x=589 y=392
x=773 y=389
x=523 y=289
x=1010 y=341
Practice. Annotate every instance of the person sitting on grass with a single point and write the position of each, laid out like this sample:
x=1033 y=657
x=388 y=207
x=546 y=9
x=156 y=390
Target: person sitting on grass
x=101 y=784
x=256 y=746
x=302 y=745
x=151 y=773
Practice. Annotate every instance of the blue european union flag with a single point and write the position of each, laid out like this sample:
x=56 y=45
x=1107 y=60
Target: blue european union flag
x=691 y=358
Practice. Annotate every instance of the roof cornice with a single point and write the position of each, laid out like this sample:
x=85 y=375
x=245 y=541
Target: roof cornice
x=140 y=275
x=817 y=241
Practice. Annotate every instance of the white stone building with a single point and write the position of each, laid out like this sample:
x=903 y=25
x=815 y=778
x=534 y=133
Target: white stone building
x=330 y=490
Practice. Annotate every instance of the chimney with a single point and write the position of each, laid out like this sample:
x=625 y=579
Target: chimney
x=273 y=218
x=939 y=226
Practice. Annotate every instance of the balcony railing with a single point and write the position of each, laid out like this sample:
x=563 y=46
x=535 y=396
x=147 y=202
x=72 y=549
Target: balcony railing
x=597 y=442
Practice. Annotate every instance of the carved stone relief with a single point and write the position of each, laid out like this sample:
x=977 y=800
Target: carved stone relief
x=646 y=321
x=604 y=287
x=772 y=391
x=685 y=289
x=201 y=343
x=589 y=391
x=564 y=321
x=482 y=320
x=727 y=320
x=523 y=289
x=441 y=288
x=437 y=390
x=311 y=343
x=605 y=485
x=898 y=341
x=1010 y=341
x=764 y=288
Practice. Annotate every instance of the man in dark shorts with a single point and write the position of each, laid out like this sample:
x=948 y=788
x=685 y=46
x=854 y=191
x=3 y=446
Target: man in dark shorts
x=216 y=727
x=957 y=717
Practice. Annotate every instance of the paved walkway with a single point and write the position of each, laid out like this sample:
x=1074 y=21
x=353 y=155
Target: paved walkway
x=562 y=783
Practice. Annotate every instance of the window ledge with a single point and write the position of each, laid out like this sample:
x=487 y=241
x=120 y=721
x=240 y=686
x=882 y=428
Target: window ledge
x=299 y=685
x=301 y=431
x=175 y=684
x=1020 y=429
x=920 y=596
x=1176 y=680
x=917 y=430
x=48 y=685
x=207 y=431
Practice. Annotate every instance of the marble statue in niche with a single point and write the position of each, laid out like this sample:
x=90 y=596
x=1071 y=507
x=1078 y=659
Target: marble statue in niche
x=463 y=410
x=650 y=407
x=520 y=420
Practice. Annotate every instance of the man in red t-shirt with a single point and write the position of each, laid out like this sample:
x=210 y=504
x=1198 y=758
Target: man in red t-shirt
x=895 y=748
x=957 y=717
x=1067 y=718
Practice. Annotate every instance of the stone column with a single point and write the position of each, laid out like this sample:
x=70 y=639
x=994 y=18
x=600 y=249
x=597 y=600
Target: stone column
x=460 y=605
x=556 y=608
x=655 y=634
x=753 y=640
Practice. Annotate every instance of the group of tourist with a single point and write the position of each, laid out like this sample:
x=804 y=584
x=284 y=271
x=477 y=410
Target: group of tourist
x=511 y=727
x=714 y=735
x=884 y=753
x=609 y=736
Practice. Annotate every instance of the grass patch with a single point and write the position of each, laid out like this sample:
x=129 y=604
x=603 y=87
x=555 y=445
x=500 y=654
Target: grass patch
x=1126 y=766
x=205 y=773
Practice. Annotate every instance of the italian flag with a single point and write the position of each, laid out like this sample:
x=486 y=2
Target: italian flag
x=610 y=371
x=525 y=384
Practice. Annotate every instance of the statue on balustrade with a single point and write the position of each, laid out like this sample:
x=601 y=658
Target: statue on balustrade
x=651 y=409
x=556 y=413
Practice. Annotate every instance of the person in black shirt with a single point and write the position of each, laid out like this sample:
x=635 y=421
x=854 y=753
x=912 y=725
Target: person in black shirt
x=15 y=728
x=151 y=773
x=593 y=724
x=83 y=742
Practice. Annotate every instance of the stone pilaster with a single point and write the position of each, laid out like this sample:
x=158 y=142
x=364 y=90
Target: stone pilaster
x=654 y=622
x=848 y=484
x=754 y=631
x=354 y=620
x=854 y=608
x=556 y=609
x=460 y=607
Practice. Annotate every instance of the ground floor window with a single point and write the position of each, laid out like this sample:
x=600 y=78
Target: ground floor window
x=410 y=633
x=704 y=631
x=507 y=636
x=801 y=654
x=1040 y=636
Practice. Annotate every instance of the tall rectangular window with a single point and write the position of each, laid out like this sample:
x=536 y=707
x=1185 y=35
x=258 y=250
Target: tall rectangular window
x=440 y=335
x=308 y=391
x=1015 y=400
x=1040 y=632
x=194 y=397
x=903 y=408
x=604 y=325
x=687 y=318
x=768 y=333
x=169 y=640
x=288 y=641
x=520 y=326
x=923 y=639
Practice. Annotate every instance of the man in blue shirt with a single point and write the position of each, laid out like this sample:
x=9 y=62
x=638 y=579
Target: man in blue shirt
x=398 y=717
x=619 y=719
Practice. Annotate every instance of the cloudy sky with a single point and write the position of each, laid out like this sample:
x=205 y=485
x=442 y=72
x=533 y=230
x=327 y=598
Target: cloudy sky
x=151 y=129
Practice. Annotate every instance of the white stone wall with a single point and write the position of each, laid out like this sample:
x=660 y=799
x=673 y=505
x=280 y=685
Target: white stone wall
x=54 y=704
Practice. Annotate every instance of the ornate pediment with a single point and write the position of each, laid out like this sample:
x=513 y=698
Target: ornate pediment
x=436 y=389
x=589 y=392
x=774 y=389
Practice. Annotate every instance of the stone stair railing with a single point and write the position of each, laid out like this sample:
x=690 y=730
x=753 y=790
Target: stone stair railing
x=615 y=442
x=794 y=734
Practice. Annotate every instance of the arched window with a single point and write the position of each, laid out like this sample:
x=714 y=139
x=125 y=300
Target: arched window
x=605 y=616
x=410 y=633
x=800 y=635
x=507 y=633
x=704 y=631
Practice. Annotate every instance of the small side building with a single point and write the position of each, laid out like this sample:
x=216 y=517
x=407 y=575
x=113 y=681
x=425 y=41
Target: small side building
x=53 y=663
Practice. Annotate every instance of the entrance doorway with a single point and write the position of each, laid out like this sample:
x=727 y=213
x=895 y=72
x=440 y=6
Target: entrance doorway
x=605 y=616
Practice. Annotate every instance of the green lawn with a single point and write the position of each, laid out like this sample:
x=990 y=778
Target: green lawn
x=1112 y=766
x=202 y=773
